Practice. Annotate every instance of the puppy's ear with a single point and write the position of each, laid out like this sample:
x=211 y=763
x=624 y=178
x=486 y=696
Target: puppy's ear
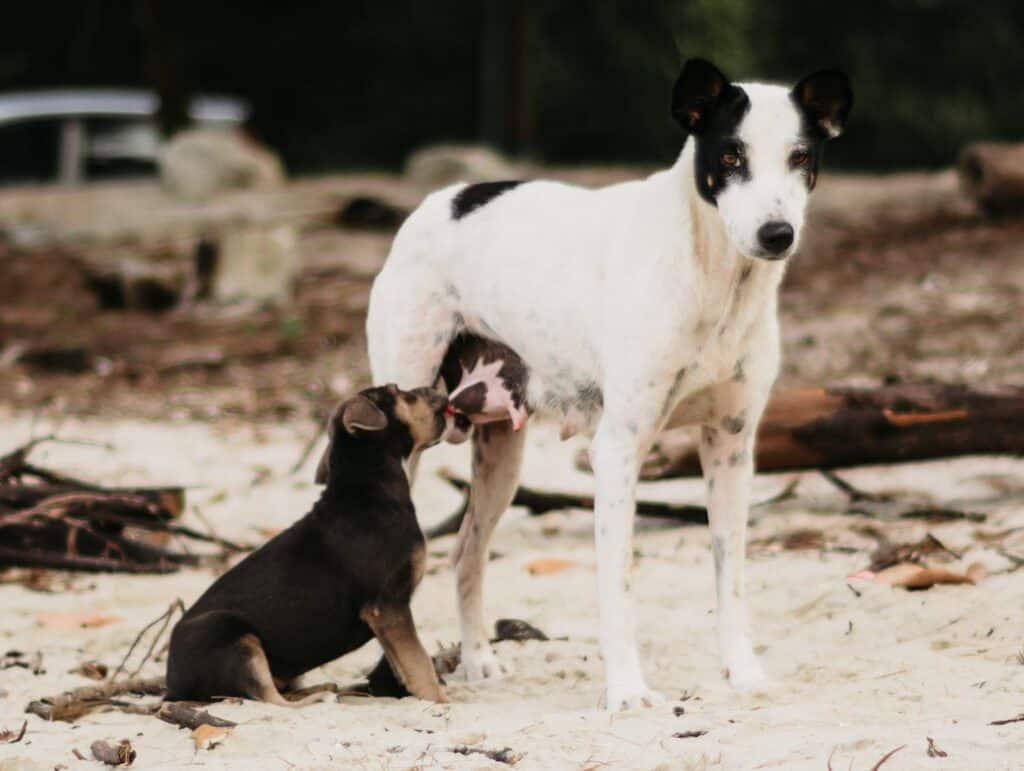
x=360 y=413
x=825 y=99
x=696 y=93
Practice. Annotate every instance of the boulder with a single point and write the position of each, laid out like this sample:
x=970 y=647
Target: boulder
x=198 y=163
x=441 y=165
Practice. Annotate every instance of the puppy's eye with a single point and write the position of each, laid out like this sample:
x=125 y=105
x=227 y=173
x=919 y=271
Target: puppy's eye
x=798 y=158
x=731 y=159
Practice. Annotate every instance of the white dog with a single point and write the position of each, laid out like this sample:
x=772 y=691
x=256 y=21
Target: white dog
x=624 y=303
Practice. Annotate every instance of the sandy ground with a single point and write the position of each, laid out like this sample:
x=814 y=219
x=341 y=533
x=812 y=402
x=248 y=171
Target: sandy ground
x=855 y=674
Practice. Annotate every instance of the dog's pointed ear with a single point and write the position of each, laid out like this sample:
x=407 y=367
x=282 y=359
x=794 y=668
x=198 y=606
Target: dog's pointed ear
x=825 y=98
x=696 y=94
x=362 y=414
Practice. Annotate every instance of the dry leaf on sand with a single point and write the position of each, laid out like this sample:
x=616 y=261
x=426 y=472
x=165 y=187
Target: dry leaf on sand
x=207 y=737
x=547 y=566
x=913 y=576
x=75 y=620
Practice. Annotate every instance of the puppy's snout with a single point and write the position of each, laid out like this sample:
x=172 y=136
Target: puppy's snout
x=775 y=237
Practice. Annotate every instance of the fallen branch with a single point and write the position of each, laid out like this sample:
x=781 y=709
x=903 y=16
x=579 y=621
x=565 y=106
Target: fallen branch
x=181 y=714
x=71 y=705
x=539 y=502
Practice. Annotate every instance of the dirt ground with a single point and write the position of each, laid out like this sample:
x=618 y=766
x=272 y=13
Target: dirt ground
x=223 y=402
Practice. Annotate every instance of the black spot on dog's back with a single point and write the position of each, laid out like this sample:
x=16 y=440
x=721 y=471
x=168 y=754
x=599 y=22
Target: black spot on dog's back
x=472 y=197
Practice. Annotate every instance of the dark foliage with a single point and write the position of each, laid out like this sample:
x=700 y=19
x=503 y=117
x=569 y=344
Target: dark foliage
x=361 y=84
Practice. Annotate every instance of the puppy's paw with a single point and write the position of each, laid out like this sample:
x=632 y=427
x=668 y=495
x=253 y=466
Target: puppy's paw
x=483 y=665
x=629 y=696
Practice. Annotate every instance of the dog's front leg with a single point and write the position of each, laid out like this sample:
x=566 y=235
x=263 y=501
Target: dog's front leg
x=615 y=453
x=726 y=453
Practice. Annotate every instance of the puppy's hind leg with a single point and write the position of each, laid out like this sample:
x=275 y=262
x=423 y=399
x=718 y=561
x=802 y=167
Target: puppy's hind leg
x=257 y=680
x=497 y=460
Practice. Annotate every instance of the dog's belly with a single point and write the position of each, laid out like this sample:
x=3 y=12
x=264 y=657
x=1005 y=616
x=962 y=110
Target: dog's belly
x=564 y=378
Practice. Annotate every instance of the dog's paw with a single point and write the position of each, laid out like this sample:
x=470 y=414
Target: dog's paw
x=745 y=671
x=483 y=665
x=630 y=696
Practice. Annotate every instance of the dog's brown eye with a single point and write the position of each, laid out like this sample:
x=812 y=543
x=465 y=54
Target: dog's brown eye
x=730 y=159
x=798 y=158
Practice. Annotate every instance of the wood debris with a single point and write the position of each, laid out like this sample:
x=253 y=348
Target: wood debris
x=51 y=520
x=120 y=754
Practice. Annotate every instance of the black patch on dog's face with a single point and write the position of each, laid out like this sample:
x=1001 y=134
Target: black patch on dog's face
x=719 y=144
x=472 y=197
x=824 y=100
x=707 y=105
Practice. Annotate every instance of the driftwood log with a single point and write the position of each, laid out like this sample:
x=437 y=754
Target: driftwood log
x=992 y=173
x=816 y=428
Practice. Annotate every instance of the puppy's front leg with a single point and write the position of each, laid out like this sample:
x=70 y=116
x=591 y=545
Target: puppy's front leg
x=726 y=454
x=615 y=453
x=394 y=629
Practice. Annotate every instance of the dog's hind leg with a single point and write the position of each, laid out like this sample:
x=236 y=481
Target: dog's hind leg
x=497 y=459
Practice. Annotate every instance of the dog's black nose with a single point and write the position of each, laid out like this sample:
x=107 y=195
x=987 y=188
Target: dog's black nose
x=775 y=237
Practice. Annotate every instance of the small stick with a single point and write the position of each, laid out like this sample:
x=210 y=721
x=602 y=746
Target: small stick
x=1018 y=719
x=853 y=493
x=9 y=737
x=166 y=618
x=886 y=756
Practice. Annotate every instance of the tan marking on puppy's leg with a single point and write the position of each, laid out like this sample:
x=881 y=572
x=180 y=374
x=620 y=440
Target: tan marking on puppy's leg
x=396 y=632
x=263 y=686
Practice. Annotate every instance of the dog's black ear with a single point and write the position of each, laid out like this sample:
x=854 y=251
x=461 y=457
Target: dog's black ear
x=360 y=413
x=696 y=93
x=825 y=99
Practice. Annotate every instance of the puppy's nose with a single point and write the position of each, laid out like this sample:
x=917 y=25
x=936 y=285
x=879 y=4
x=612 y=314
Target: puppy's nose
x=775 y=237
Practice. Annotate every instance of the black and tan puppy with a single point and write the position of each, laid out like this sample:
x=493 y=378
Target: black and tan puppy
x=342 y=574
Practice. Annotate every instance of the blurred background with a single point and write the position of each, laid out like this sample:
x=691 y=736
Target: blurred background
x=195 y=197
x=361 y=84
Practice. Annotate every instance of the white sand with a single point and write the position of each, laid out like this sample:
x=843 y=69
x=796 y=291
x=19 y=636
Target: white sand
x=853 y=676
